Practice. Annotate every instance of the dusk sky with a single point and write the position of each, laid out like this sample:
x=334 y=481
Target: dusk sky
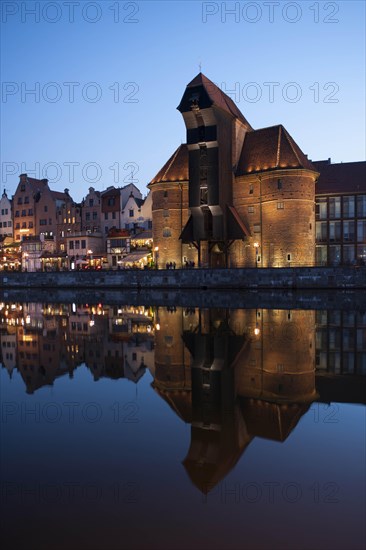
x=109 y=75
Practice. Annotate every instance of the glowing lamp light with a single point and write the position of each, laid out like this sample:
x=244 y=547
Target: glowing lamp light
x=257 y=331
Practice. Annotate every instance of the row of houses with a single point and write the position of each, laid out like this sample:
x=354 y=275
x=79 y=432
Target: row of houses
x=231 y=196
x=42 y=229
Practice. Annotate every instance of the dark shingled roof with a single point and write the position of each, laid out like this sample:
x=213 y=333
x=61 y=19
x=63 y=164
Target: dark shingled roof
x=269 y=149
x=139 y=202
x=35 y=183
x=346 y=177
x=176 y=169
x=110 y=192
x=59 y=195
x=217 y=96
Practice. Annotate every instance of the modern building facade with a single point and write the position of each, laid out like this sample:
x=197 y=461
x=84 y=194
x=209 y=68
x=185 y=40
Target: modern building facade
x=341 y=213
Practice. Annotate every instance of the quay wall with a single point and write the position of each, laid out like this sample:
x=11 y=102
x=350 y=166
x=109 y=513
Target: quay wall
x=204 y=279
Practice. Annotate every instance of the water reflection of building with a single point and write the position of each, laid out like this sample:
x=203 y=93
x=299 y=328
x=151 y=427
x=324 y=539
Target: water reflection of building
x=46 y=341
x=172 y=380
x=341 y=355
x=8 y=351
x=234 y=375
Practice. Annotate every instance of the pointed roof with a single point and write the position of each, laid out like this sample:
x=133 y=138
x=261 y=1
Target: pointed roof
x=217 y=96
x=59 y=195
x=176 y=169
x=270 y=149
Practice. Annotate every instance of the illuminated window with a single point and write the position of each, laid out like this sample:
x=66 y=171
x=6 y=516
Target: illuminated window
x=203 y=194
x=250 y=209
x=280 y=206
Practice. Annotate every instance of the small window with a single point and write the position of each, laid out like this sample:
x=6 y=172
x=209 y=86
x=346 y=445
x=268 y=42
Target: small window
x=279 y=184
x=167 y=232
x=289 y=257
x=131 y=213
x=166 y=213
x=257 y=228
x=165 y=194
x=251 y=189
x=203 y=194
x=280 y=206
x=250 y=209
x=46 y=208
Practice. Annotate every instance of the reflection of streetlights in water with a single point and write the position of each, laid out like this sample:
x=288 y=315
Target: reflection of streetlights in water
x=256 y=329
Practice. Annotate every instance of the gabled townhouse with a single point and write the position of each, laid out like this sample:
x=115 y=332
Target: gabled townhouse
x=6 y=222
x=68 y=220
x=91 y=211
x=111 y=209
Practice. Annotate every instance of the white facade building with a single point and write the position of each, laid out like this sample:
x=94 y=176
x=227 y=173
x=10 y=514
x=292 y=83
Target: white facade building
x=6 y=224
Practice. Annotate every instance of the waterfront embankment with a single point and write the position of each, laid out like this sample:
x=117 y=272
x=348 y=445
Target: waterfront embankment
x=204 y=279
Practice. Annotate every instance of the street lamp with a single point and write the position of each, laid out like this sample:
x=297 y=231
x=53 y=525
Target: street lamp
x=156 y=250
x=256 y=246
x=90 y=252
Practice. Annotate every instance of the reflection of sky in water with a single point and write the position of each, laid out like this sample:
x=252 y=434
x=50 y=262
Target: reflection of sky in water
x=131 y=489
x=145 y=459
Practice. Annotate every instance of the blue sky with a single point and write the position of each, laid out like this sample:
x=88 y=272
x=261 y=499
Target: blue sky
x=128 y=69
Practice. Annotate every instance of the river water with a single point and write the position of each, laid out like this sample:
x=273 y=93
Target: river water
x=165 y=427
